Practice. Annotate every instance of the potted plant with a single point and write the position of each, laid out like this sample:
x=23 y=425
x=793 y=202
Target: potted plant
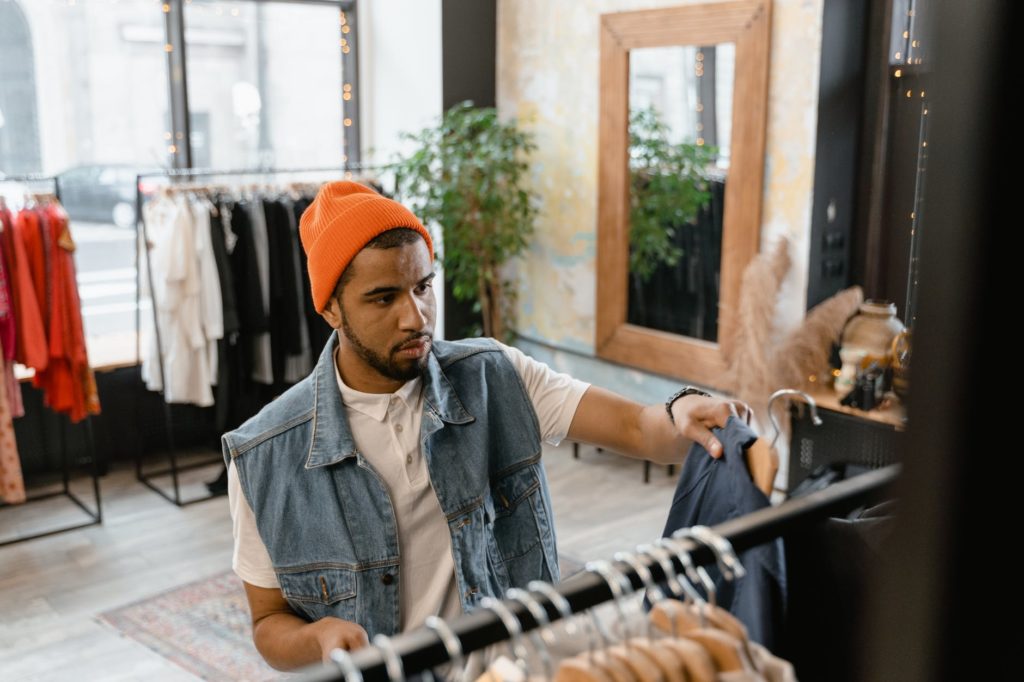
x=668 y=188
x=467 y=175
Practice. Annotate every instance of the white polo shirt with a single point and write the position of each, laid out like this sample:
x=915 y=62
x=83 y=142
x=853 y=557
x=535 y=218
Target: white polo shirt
x=386 y=427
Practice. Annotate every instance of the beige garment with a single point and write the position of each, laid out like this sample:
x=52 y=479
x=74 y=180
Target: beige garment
x=12 y=485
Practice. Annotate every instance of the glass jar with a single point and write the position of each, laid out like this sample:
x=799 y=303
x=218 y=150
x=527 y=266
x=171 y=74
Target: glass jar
x=867 y=339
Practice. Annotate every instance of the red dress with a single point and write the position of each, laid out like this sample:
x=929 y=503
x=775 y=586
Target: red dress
x=68 y=382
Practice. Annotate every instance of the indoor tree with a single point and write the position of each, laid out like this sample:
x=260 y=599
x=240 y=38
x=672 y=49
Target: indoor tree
x=467 y=175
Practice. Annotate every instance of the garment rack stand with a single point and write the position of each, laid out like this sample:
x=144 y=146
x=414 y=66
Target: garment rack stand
x=95 y=515
x=422 y=649
x=175 y=468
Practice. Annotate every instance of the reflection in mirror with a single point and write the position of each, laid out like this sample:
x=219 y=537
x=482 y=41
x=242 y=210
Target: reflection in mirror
x=680 y=129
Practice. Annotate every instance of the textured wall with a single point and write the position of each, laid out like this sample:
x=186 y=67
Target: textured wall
x=548 y=76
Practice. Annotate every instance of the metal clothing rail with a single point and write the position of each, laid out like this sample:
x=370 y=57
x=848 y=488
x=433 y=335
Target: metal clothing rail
x=174 y=468
x=95 y=515
x=423 y=649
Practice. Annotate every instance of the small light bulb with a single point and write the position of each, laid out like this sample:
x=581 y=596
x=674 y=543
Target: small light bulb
x=347 y=96
x=345 y=50
x=897 y=55
x=173 y=149
x=700 y=141
x=348 y=122
x=166 y=8
x=899 y=73
x=909 y=93
x=167 y=135
x=345 y=29
x=168 y=48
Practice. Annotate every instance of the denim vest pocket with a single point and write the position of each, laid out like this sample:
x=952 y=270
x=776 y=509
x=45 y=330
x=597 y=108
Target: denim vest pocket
x=320 y=592
x=516 y=500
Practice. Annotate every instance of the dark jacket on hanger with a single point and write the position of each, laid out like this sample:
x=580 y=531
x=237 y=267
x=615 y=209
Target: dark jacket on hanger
x=711 y=491
x=285 y=317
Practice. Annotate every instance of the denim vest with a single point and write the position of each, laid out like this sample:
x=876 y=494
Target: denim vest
x=327 y=519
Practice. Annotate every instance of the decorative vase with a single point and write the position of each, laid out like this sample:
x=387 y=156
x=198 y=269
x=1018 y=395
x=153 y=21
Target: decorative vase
x=866 y=339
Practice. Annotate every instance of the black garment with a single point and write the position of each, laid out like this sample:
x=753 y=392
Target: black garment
x=711 y=491
x=224 y=389
x=252 y=317
x=319 y=330
x=830 y=567
x=285 y=318
x=224 y=274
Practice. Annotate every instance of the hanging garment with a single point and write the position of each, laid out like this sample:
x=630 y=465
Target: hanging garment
x=8 y=335
x=285 y=315
x=317 y=328
x=830 y=567
x=252 y=316
x=211 y=302
x=297 y=366
x=12 y=485
x=30 y=342
x=711 y=491
x=262 y=371
x=177 y=291
x=67 y=382
x=7 y=321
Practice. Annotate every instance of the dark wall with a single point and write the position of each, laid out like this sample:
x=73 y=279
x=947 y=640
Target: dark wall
x=840 y=120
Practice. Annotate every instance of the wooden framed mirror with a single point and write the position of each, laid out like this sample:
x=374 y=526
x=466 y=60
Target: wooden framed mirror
x=683 y=108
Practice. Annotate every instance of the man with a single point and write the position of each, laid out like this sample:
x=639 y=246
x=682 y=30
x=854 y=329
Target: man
x=402 y=478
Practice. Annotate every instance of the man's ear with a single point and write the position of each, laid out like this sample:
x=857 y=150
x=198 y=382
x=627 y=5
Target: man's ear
x=332 y=312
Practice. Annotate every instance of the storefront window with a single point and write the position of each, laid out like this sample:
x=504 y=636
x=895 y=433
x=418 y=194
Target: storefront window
x=85 y=96
x=258 y=95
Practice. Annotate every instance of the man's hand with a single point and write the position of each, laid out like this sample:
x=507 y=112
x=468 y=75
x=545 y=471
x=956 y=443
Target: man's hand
x=335 y=633
x=645 y=432
x=695 y=416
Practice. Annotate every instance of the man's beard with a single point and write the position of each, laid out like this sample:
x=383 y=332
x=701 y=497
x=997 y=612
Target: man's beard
x=385 y=366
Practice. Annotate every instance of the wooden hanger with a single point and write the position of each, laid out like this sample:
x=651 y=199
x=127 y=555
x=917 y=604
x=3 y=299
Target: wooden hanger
x=763 y=465
x=696 y=661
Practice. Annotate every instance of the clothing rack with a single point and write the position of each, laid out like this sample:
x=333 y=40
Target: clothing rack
x=95 y=516
x=174 y=468
x=423 y=649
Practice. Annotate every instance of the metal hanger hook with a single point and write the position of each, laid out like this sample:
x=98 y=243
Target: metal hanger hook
x=815 y=419
x=725 y=556
x=343 y=660
x=451 y=642
x=392 y=661
x=617 y=582
x=542 y=636
x=654 y=592
x=514 y=629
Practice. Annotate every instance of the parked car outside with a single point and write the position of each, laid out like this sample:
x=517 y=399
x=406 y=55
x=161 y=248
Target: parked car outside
x=102 y=193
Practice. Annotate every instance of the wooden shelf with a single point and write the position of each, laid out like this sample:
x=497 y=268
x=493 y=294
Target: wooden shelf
x=893 y=414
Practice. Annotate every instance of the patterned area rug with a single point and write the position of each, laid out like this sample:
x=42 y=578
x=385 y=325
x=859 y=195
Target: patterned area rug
x=204 y=627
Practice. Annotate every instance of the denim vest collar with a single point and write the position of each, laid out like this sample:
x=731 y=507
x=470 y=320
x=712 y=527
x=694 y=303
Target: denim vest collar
x=332 y=440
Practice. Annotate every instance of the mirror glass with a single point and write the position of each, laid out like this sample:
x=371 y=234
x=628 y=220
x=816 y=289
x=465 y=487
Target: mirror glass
x=680 y=130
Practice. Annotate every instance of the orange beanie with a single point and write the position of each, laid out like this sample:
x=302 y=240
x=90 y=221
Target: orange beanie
x=340 y=221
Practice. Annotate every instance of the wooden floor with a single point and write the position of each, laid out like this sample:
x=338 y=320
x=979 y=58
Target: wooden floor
x=52 y=588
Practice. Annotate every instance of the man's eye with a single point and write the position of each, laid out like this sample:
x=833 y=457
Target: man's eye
x=422 y=288
x=383 y=300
